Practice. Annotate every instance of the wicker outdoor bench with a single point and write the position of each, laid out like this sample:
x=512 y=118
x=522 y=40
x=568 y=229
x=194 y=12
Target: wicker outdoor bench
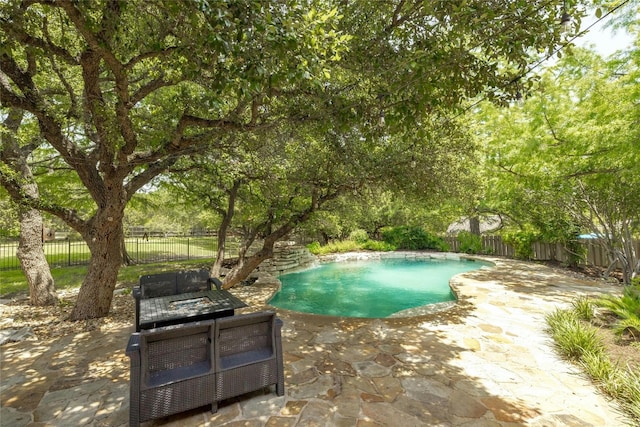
x=171 y=370
x=187 y=366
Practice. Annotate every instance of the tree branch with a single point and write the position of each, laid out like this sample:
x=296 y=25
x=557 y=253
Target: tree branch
x=69 y=216
x=553 y=132
x=29 y=40
x=32 y=101
x=89 y=61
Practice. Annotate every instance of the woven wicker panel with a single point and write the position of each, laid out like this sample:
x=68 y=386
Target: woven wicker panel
x=237 y=381
x=245 y=354
x=158 y=285
x=245 y=338
x=177 y=397
x=177 y=352
x=192 y=281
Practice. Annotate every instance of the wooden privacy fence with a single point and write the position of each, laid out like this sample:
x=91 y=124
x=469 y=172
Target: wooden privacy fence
x=493 y=245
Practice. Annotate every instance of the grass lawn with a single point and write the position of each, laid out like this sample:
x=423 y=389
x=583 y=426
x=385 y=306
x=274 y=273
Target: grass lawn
x=14 y=281
x=69 y=253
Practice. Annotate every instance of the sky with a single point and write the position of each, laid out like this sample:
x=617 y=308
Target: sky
x=605 y=41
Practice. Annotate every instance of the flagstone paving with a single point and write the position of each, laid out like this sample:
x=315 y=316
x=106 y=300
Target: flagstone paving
x=485 y=362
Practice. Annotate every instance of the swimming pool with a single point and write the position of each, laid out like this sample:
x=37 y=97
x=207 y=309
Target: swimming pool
x=370 y=288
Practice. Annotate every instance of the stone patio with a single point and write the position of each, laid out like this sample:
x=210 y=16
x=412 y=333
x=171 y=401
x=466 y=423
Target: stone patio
x=485 y=362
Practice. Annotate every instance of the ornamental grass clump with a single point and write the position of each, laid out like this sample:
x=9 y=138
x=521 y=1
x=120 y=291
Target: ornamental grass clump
x=631 y=397
x=584 y=308
x=579 y=341
x=572 y=336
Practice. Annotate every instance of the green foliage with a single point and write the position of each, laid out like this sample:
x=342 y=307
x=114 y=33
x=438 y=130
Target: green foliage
x=623 y=384
x=163 y=210
x=326 y=223
x=469 y=243
x=564 y=174
x=334 y=247
x=576 y=252
x=9 y=225
x=626 y=308
x=522 y=242
x=218 y=79
x=377 y=245
x=359 y=236
x=413 y=238
x=630 y=394
x=599 y=366
x=349 y=246
x=314 y=247
x=629 y=325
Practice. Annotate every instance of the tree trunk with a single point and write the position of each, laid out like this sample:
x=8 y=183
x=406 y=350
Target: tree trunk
x=34 y=265
x=126 y=259
x=104 y=240
x=227 y=216
x=474 y=225
x=217 y=264
x=325 y=237
x=30 y=252
x=246 y=265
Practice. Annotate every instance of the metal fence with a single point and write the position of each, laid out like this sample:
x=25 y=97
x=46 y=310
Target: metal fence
x=63 y=253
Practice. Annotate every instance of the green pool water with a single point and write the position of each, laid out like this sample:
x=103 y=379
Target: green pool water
x=371 y=288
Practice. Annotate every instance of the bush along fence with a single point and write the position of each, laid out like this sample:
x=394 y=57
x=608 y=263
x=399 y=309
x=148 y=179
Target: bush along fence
x=591 y=253
x=63 y=253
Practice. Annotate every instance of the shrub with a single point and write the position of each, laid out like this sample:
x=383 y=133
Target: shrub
x=314 y=247
x=577 y=340
x=359 y=235
x=575 y=250
x=627 y=308
x=334 y=247
x=349 y=246
x=413 y=238
x=522 y=242
x=376 y=245
x=469 y=243
x=631 y=393
x=599 y=366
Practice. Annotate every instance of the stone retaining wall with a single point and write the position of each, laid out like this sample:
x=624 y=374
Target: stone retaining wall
x=287 y=257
